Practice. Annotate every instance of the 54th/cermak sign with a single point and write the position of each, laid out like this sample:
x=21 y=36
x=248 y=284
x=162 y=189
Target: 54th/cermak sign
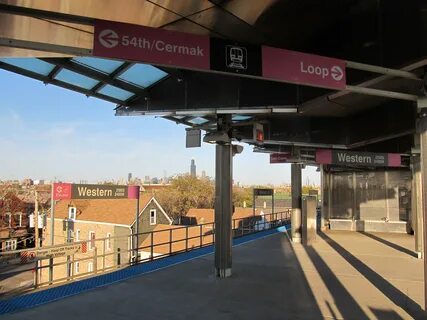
x=93 y=191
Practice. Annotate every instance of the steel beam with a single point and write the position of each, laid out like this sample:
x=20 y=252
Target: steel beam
x=97 y=75
x=296 y=191
x=422 y=127
x=223 y=203
x=58 y=83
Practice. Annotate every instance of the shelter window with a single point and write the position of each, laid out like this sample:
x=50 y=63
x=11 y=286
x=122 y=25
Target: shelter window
x=142 y=75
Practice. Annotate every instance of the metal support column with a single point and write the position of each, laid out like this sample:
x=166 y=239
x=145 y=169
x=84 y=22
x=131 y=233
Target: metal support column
x=324 y=179
x=223 y=202
x=416 y=204
x=422 y=129
x=296 y=190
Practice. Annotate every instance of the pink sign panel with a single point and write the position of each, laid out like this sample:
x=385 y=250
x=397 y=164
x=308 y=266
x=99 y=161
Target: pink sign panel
x=323 y=156
x=133 y=192
x=303 y=68
x=156 y=46
x=279 y=157
x=61 y=191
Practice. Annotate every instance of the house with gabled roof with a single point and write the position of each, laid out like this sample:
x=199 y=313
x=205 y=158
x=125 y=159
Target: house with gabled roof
x=106 y=225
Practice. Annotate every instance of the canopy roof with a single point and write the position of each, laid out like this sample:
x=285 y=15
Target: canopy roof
x=381 y=33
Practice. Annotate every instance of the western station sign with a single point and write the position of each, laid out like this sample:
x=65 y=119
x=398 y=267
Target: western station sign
x=354 y=158
x=63 y=191
x=182 y=50
x=263 y=192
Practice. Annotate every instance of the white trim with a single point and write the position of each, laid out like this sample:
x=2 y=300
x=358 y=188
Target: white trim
x=77 y=235
x=72 y=213
x=90 y=267
x=163 y=211
x=95 y=222
x=20 y=219
x=158 y=205
x=10 y=245
x=76 y=267
x=154 y=222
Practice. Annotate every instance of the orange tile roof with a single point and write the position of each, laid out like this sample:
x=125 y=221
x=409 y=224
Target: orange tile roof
x=116 y=211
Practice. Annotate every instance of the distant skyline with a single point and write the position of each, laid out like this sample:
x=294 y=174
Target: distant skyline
x=47 y=132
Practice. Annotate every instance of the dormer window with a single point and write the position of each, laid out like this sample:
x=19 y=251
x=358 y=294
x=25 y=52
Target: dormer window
x=72 y=211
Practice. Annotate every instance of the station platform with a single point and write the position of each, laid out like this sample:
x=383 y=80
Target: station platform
x=344 y=275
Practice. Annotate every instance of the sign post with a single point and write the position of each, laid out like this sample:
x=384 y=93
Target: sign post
x=263 y=192
x=52 y=230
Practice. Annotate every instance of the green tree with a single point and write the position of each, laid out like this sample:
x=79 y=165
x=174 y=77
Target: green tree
x=242 y=196
x=186 y=192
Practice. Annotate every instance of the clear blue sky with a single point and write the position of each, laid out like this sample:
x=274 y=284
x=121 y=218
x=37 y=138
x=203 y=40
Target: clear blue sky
x=47 y=132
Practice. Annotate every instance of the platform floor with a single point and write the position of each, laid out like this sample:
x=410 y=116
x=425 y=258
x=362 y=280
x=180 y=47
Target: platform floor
x=344 y=275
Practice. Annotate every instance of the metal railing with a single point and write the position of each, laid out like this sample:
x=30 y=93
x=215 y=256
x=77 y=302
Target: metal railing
x=112 y=253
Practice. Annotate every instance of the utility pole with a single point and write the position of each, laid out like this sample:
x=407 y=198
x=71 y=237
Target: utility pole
x=36 y=219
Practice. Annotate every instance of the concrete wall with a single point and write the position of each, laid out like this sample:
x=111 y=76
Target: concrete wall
x=368 y=225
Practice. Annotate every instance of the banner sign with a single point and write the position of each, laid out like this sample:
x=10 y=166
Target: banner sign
x=279 y=157
x=152 y=45
x=182 y=50
x=68 y=191
x=53 y=252
x=303 y=68
x=263 y=192
x=354 y=158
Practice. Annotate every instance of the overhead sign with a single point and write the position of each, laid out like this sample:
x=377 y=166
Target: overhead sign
x=354 y=158
x=182 y=50
x=279 y=157
x=263 y=192
x=62 y=191
x=193 y=138
x=235 y=57
x=152 y=45
x=303 y=68
x=53 y=252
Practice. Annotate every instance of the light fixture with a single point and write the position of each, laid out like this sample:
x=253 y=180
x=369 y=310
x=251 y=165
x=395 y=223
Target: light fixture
x=158 y=113
x=194 y=112
x=243 y=111
x=236 y=149
x=285 y=110
x=216 y=137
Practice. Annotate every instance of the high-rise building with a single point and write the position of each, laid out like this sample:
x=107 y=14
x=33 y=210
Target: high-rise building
x=129 y=176
x=193 y=168
x=203 y=174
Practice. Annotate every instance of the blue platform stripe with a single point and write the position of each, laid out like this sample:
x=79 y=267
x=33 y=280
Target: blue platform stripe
x=49 y=295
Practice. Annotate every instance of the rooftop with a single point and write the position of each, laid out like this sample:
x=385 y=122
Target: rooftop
x=116 y=211
x=343 y=275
